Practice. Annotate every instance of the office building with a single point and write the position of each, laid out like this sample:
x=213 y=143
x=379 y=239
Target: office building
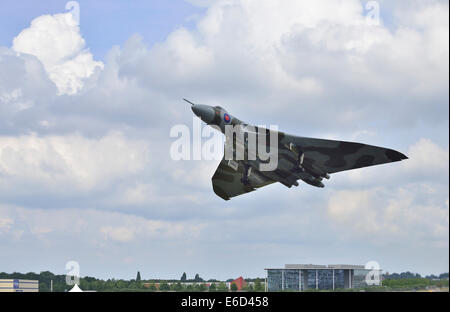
x=301 y=277
x=18 y=285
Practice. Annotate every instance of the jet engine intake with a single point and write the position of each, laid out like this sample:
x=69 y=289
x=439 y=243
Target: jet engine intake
x=313 y=181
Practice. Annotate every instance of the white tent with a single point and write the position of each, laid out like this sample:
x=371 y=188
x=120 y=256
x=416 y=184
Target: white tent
x=76 y=289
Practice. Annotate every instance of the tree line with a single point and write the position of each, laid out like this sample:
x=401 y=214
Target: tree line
x=409 y=275
x=45 y=279
x=409 y=280
x=405 y=280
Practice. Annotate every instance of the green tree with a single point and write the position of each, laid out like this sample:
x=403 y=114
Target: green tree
x=183 y=277
x=97 y=285
x=164 y=286
x=189 y=287
x=121 y=284
x=177 y=287
x=200 y=287
x=197 y=278
x=43 y=287
x=133 y=285
x=138 y=277
x=248 y=287
x=212 y=287
x=84 y=284
x=258 y=285
x=233 y=287
x=222 y=287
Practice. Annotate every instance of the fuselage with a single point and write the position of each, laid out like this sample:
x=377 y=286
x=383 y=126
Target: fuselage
x=287 y=170
x=215 y=116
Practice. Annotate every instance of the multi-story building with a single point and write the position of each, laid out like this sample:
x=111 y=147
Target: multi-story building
x=301 y=277
x=18 y=285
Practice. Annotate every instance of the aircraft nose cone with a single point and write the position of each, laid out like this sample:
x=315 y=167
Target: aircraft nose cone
x=206 y=113
x=196 y=110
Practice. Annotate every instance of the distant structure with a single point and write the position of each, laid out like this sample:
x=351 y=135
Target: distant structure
x=240 y=283
x=301 y=277
x=19 y=285
x=76 y=289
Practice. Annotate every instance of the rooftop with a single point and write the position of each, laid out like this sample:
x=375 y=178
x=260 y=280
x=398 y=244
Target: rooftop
x=319 y=267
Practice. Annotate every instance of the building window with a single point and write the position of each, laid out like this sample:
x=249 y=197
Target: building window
x=274 y=280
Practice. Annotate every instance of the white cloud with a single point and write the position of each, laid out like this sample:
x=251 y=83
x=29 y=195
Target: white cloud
x=354 y=207
x=67 y=163
x=120 y=234
x=428 y=158
x=56 y=41
x=410 y=214
x=24 y=87
x=312 y=66
x=319 y=59
x=94 y=226
x=136 y=228
x=5 y=224
x=427 y=162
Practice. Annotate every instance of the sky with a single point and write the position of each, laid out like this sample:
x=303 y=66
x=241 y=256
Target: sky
x=87 y=105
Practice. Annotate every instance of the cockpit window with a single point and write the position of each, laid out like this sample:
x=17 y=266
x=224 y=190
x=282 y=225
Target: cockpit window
x=219 y=107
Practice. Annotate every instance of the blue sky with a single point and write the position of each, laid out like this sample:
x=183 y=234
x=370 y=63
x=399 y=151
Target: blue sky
x=104 y=23
x=86 y=112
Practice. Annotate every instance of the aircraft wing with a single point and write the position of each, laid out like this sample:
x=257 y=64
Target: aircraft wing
x=334 y=156
x=227 y=183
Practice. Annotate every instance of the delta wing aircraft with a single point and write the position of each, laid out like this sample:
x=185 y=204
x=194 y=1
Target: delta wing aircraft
x=298 y=158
